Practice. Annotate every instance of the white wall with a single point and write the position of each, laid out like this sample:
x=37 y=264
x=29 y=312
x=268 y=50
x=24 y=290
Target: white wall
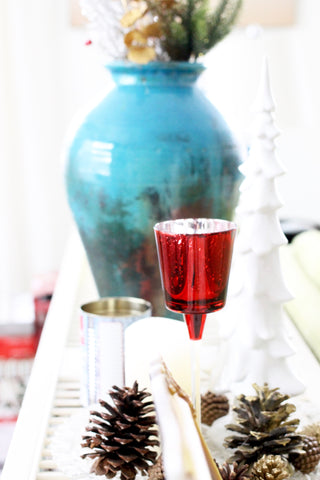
x=294 y=64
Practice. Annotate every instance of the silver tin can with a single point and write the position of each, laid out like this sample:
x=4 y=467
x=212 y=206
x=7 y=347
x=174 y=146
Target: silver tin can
x=102 y=339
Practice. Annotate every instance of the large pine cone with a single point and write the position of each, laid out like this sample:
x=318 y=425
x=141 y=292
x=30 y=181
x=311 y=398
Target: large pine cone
x=121 y=437
x=307 y=461
x=213 y=407
x=263 y=427
x=235 y=472
x=270 y=467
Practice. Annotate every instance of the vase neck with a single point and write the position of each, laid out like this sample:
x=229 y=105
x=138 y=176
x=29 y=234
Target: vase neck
x=156 y=73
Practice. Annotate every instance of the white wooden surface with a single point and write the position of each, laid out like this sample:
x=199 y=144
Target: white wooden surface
x=56 y=369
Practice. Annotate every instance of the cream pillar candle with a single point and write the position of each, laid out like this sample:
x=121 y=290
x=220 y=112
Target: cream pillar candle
x=154 y=336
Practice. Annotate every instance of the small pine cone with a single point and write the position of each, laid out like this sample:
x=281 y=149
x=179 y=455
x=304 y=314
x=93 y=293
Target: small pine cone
x=156 y=471
x=307 y=462
x=212 y=407
x=312 y=430
x=235 y=472
x=270 y=467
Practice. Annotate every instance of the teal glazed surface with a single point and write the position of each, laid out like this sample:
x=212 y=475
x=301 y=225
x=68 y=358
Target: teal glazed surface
x=153 y=149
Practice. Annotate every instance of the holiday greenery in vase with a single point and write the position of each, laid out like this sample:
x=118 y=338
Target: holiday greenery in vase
x=165 y=30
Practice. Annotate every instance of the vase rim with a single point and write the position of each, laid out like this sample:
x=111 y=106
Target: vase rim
x=125 y=65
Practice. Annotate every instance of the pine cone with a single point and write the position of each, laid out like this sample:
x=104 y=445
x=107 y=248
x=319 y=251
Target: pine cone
x=270 y=467
x=235 y=472
x=312 y=430
x=307 y=461
x=212 y=407
x=121 y=437
x=156 y=471
x=263 y=427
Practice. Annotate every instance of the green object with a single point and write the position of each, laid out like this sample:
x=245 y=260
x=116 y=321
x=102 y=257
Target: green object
x=192 y=28
x=300 y=262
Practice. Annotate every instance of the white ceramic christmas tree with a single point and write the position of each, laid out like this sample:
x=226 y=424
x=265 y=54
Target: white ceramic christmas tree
x=259 y=343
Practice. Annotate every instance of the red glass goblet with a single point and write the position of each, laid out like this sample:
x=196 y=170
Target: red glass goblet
x=194 y=258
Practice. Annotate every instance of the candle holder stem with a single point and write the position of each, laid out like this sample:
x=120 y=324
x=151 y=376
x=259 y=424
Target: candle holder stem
x=195 y=377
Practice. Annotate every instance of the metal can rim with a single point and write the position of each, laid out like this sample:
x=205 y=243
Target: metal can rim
x=120 y=306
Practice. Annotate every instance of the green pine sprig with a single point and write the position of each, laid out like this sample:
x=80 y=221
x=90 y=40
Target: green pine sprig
x=190 y=28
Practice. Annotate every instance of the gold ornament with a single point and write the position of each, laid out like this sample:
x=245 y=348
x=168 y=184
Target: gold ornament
x=270 y=467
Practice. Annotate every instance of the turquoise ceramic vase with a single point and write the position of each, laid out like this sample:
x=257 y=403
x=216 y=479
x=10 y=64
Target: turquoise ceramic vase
x=153 y=149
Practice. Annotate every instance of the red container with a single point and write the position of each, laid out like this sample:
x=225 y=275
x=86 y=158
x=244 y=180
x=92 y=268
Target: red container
x=18 y=346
